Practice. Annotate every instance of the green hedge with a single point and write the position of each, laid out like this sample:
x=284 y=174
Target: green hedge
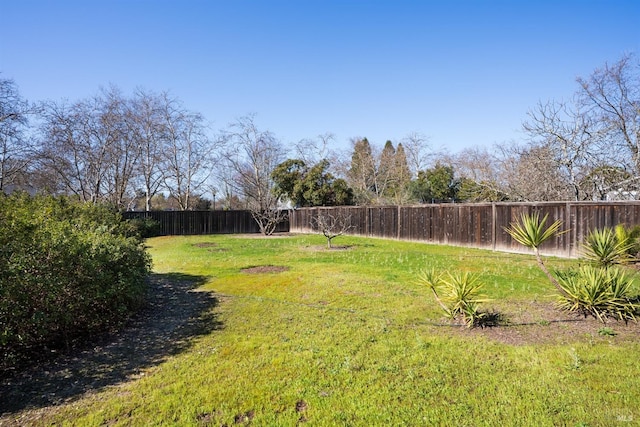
x=67 y=270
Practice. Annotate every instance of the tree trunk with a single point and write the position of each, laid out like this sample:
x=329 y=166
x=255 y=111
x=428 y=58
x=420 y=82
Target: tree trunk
x=552 y=279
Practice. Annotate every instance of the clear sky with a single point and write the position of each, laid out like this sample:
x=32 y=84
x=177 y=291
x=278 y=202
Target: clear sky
x=463 y=73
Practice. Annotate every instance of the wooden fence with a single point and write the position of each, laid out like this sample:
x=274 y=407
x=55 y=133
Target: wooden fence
x=203 y=222
x=478 y=225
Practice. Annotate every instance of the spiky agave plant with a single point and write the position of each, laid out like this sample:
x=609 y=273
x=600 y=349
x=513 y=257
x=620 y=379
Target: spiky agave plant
x=630 y=237
x=457 y=294
x=531 y=231
x=606 y=247
x=599 y=292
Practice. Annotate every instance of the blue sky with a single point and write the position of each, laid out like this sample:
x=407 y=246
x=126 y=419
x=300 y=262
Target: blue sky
x=463 y=73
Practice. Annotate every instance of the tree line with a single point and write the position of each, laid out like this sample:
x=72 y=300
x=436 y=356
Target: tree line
x=148 y=151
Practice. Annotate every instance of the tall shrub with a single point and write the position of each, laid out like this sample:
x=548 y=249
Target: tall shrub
x=66 y=270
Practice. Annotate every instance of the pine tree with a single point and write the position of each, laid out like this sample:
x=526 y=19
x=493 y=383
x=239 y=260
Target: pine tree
x=386 y=176
x=402 y=175
x=362 y=172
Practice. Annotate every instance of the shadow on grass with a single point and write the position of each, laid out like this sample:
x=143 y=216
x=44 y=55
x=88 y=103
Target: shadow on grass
x=174 y=316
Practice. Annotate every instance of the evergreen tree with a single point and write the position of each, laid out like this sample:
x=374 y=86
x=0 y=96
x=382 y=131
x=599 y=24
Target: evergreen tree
x=362 y=172
x=386 y=176
x=313 y=186
x=402 y=175
x=286 y=176
x=436 y=184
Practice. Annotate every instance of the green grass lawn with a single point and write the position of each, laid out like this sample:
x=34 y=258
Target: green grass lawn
x=348 y=337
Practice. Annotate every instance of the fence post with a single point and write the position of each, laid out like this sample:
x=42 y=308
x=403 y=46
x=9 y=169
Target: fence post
x=571 y=236
x=494 y=236
x=399 y=223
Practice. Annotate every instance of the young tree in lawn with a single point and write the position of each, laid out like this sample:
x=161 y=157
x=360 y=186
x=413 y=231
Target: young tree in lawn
x=331 y=223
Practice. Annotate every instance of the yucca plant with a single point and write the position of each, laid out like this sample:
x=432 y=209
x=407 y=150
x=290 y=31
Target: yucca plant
x=629 y=237
x=600 y=292
x=457 y=294
x=531 y=231
x=606 y=247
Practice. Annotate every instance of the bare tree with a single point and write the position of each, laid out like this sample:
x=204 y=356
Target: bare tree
x=567 y=137
x=418 y=151
x=88 y=149
x=314 y=150
x=252 y=156
x=479 y=172
x=530 y=173
x=611 y=95
x=592 y=143
x=123 y=149
x=148 y=130
x=188 y=155
x=74 y=153
x=16 y=150
x=331 y=224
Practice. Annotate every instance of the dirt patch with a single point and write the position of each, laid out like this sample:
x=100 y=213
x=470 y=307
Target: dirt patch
x=264 y=269
x=210 y=246
x=321 y=248
x=543 y=323
x=205 y=245
x=244 y=418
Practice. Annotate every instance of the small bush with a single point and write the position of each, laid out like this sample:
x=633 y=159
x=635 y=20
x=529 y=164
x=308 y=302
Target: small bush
x=600 y=292
x=144 y=227
x=67 y=270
